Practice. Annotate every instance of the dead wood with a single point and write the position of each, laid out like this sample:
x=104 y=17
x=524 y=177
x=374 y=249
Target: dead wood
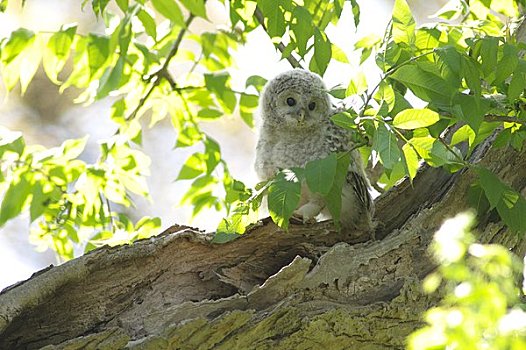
x=309 y=288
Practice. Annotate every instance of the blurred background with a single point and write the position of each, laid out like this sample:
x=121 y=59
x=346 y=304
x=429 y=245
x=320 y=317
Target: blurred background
x=47 y=117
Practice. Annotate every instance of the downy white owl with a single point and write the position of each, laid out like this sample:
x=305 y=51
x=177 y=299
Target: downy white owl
x=295 y=128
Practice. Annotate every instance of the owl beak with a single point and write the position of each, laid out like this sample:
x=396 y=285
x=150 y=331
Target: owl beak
x=301 y=115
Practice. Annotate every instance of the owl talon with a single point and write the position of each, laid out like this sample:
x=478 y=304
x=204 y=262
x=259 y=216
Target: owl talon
x=297 y=218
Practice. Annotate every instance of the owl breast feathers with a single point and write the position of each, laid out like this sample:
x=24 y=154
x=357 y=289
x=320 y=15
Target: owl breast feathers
x=294 y=127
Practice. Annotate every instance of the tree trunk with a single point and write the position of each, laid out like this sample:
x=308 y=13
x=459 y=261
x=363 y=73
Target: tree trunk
x=308 y=288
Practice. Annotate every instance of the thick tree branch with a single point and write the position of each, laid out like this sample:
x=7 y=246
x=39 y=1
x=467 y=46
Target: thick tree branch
x=268 y=289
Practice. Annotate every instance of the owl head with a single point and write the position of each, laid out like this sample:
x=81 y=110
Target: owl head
x=296 y=98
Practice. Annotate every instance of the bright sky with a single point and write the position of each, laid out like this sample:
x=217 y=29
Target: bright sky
x=18 y=258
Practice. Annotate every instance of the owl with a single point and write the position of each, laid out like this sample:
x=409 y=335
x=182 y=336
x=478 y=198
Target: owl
x=294 y=127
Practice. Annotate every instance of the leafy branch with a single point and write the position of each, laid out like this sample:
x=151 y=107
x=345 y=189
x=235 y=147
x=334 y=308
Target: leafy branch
x=192 y=87
x=163 y=72
x=386 y=75
x=281 y=47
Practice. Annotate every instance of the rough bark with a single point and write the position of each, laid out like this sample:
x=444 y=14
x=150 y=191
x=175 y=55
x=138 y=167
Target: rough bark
x=308 y=288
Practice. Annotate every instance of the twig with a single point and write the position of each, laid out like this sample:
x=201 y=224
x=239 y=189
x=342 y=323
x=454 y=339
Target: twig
x=503 y=118
x=377 y=187
x=281 y=47
x=452 y=151
x=162 y=73
x=196 y=87
x=386 y=75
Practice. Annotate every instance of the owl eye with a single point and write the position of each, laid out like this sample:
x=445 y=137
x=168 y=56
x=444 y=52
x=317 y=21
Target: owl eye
x=291 y=102
x=312 y=105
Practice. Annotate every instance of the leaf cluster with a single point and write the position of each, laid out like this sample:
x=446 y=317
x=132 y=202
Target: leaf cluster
x=444 y=89
x=481 y=306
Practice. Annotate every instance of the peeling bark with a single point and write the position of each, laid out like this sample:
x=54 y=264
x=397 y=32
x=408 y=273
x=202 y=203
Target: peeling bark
x=309 y=288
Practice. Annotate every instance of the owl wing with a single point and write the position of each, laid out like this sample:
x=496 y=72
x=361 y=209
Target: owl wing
x=361 y=189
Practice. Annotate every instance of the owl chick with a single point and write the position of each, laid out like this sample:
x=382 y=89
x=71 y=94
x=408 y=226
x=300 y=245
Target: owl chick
x=295 y=128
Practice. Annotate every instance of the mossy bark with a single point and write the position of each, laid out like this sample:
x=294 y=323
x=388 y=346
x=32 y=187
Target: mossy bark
x=309 y=288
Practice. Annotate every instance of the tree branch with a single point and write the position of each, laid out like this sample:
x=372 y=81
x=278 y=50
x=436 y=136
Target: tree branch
x=281 y=47
x=162 y=73
x=503 y=118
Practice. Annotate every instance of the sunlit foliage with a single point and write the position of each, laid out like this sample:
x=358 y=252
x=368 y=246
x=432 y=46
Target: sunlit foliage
x=466 y=71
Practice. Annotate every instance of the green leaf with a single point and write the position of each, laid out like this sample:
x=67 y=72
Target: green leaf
x=344 y=120
x=194 y=166
x=123 y=4
x=150 y=27
x=39 y=202
x=338 y=54
x=17 y=42
x=188 y=136
x=472 y=109
x=256 y=81
x=492 y=186
x=355 y=12
x=57 y=52
x=471 y=73
x=99 y=6
x=71 y=149
x=477 y=199
x=510 y=204
x=209 y=113
x=517 y=85
x=275 y=18
x=20 y=56
x=98 y=53
x=3 y=5
x=333 y=198
x=425 y=85
x=283 y=197
x=112 y=79
x=508 y=8
x=11 y=141
x=507 y=64
x=234 y=225
x=464 y=133
x=219 y=85
x=247 y=107
x=201 y=186
x=413 y=118
x=196 y=7
x=489 y=48
x=80 y=77
x=433 y=151
x=320 y=173
x=212 y=154
x=411 y=160
x=367 y=44
x=385 y=143
x=449 y=62
x=322 y=52
x=14 y=200
x=170 y=9
x=302 y=28
x=223 y=237
x=403 y=23
x=386 y=94
x=29 y=64
x=338 y=92
x=357 y=85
